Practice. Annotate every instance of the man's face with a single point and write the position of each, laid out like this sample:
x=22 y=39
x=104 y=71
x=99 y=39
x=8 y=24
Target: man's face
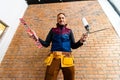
x=61 y=19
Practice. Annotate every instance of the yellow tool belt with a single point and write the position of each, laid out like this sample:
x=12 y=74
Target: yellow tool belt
x=67 y=59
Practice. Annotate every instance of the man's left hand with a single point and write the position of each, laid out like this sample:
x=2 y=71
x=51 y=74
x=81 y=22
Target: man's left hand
x=84 y=37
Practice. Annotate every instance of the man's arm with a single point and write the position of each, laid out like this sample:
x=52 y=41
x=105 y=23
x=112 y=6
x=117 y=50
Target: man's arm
x=75 y=45
x=46 y=43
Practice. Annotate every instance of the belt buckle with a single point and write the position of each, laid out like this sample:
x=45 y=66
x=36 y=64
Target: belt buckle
x=57 y=53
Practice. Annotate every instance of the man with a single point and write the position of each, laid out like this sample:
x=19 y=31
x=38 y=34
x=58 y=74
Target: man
x=61 y=55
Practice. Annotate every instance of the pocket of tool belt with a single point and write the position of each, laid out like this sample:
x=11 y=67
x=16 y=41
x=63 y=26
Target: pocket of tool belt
x=68 y=60
x=49 y=59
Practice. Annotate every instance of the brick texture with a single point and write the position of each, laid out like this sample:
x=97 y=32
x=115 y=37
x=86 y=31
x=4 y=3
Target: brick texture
x=98 y=59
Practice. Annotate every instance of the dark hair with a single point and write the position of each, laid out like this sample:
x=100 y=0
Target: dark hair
x=61 y=13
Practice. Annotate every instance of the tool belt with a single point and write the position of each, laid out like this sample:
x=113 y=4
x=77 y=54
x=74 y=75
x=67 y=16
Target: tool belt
x=67 y=59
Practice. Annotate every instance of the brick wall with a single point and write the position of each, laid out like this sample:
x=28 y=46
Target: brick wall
x=98 y=59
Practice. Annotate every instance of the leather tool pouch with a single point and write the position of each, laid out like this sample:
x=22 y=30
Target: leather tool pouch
x=67 y=61
x=48 y=60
